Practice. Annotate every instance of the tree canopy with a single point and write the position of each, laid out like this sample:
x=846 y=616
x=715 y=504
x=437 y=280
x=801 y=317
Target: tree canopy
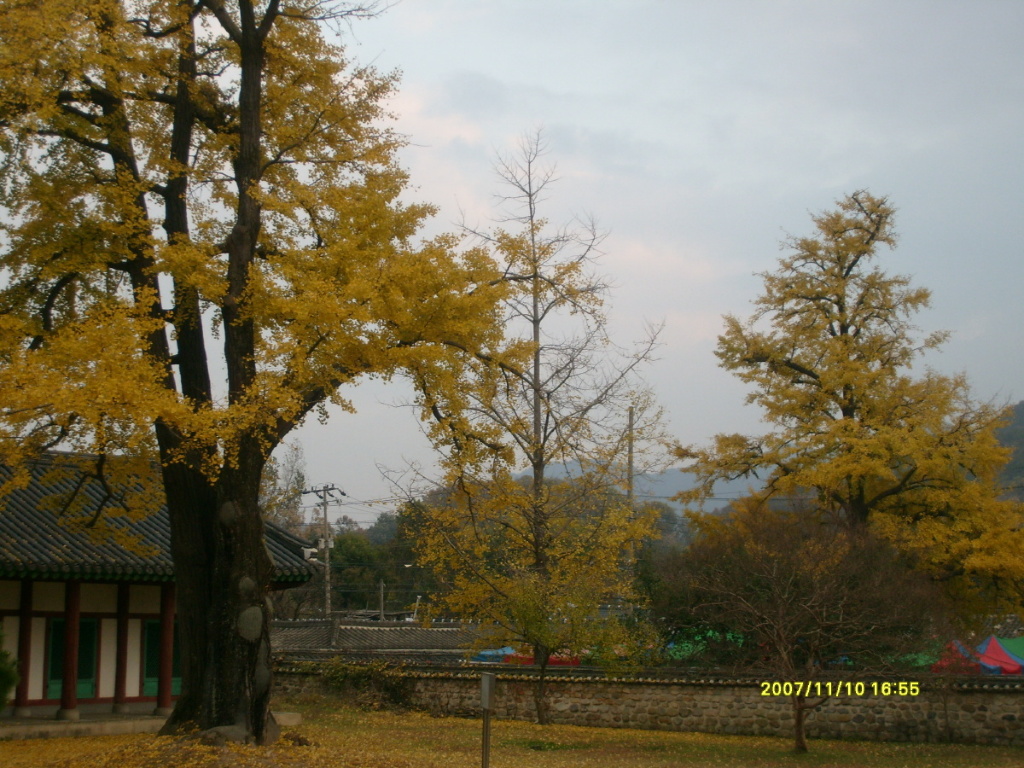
x=202 y=241
x=829 y=352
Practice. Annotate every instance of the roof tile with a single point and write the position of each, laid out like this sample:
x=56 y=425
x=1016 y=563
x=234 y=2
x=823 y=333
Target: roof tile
x=37 y=542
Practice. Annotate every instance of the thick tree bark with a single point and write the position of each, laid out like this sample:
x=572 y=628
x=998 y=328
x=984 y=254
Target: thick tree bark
x=223 y=573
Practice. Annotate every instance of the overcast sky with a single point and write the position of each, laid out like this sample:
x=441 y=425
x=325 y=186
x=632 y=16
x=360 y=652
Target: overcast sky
x=700 y=134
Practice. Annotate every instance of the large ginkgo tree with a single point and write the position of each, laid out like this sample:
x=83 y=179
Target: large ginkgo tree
x=202 y=241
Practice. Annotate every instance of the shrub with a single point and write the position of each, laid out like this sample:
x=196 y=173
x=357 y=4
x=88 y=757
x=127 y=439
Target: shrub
x=374 y=684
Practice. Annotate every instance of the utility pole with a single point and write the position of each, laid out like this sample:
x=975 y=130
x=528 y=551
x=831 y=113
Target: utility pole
x=325 y=493
x=629 y=458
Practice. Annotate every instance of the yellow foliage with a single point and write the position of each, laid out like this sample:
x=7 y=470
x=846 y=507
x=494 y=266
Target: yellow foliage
x=97 y=292
x=532 y=573
x=828 y=354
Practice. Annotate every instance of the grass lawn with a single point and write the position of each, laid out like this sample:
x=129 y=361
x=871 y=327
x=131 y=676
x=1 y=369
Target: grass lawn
x=342 y=737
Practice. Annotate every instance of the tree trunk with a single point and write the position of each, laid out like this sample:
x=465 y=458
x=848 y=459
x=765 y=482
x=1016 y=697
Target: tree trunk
x=799 y=713
x=540 y=701
x=223 y=573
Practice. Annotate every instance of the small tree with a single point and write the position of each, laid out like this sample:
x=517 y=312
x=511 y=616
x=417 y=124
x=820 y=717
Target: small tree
x=280 y=502
x=8 y=673
x=563 y=589
x=530 y=555
x=281 y=485
x=804 y=594
x=828 y=353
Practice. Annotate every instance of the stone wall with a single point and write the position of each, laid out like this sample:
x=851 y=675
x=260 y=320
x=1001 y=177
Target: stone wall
x=979 y=711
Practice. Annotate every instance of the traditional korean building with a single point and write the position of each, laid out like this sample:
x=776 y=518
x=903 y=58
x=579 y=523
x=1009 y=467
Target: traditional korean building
x=88 y=612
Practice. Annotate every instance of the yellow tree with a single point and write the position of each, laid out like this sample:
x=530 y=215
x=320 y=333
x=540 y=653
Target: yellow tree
x=829 y=352
x=533 y=556
x=202 y=242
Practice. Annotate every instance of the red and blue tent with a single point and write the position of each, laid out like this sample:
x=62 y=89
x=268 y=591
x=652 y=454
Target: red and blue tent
x=994 y=656
x=996 y=659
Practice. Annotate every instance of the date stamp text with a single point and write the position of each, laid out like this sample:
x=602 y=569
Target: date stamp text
x=840 y=688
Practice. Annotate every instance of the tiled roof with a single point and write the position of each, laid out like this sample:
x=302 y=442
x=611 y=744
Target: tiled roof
x=36 y=542
x=319 y=636
x=301 y=635
x=411 y=638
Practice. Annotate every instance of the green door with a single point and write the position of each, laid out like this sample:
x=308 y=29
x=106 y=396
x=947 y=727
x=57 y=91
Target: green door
x=88 y=650
x=151 y=659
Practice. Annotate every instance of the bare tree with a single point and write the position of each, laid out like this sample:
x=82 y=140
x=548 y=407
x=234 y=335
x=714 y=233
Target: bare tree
x=280 y=502
x=803 y=594
x=535 y=510
x=281 y=486
x=569 y=402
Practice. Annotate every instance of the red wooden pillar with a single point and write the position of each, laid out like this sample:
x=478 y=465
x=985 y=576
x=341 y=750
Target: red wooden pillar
x=163 y=696
x=21 y=708
x=121 y=663
x=69 y=686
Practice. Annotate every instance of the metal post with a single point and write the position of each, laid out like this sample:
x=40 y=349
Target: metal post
x=629 y=460
x=327 y=558
x=487 y=704
x=485 y=757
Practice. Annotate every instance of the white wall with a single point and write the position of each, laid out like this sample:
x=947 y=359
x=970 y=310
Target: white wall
x=10 y=629
x=108 y=658
x=35 y=672
x=96 y=598
x=134 y=661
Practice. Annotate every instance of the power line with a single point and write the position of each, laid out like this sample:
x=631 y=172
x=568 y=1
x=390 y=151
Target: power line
x=324 y=493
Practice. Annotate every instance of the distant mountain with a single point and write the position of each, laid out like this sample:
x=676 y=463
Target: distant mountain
x=664 y=485
x=1012 y=436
